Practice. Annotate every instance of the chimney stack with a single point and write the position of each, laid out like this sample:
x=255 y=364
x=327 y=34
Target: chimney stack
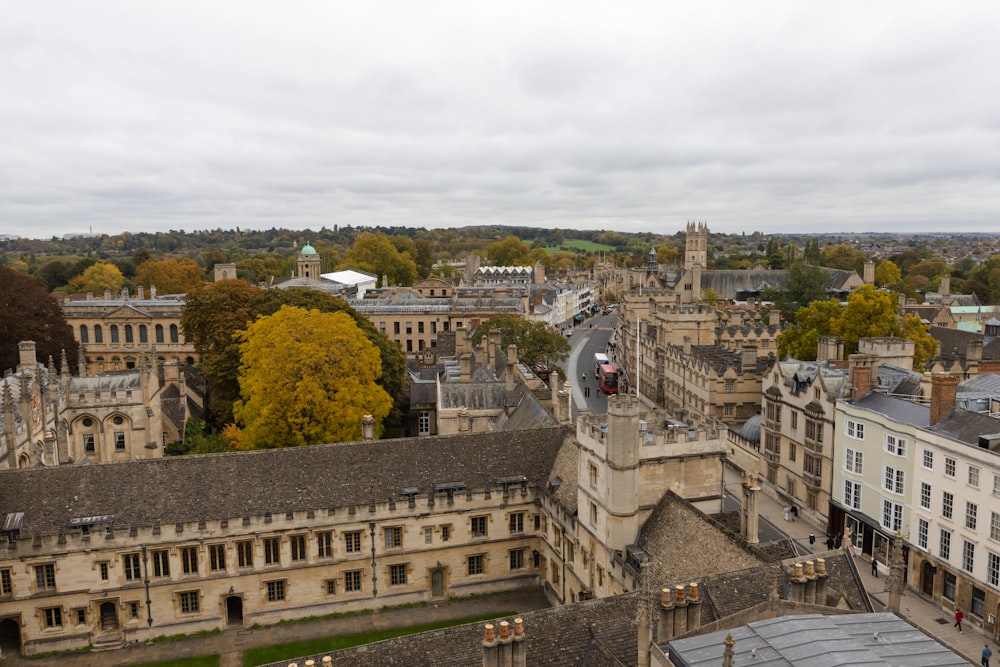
x=465 y=367
x=748 y=359
x=489 y=646
x=944 y=388
x=27 y=359
x=869 y=276
x=680 y=611
x=665 y=628
x=774 y=317
x=368 y=428
x=861 y=366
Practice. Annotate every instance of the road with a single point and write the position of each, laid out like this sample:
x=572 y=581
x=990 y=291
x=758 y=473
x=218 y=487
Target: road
x=589 y=338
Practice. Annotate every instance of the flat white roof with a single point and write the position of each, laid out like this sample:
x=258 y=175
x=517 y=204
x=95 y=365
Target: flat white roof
x=348 y=277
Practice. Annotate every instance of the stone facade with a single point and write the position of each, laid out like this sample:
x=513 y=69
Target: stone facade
x=113 y=331
x=52 y=419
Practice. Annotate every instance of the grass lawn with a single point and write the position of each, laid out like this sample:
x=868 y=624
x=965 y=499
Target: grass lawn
x=578 y=244
x=201 y=661
x=268 y=654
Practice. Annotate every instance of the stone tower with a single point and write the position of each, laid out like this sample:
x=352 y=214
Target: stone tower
x=309 y=266
x=652 y=265
x=622 y=499
x=696 y=246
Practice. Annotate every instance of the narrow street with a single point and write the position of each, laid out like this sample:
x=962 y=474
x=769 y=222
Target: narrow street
x=589 y=338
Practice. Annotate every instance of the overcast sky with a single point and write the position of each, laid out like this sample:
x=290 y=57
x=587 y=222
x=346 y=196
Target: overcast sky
x=771 y=116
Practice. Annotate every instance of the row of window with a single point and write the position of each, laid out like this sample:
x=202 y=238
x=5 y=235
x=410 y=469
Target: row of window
x=129 y=333
x=45 y=578
x=89 y=445
x=159 y=562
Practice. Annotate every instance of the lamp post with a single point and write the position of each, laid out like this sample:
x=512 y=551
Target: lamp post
x=722 y=484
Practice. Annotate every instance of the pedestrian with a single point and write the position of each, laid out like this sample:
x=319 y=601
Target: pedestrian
x=839 y=542
x=794 y=511
x=874 y=566
x=784 y=513
x=987 y=654
x=829 y=542
x=958 y=619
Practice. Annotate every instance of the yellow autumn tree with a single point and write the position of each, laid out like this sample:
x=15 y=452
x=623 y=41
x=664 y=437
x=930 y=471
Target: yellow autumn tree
x=97 y=278
x=307 y=377
x=170 y=276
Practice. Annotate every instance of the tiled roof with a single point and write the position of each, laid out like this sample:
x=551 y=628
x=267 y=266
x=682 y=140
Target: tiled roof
x=598 y=633
x=232 y=485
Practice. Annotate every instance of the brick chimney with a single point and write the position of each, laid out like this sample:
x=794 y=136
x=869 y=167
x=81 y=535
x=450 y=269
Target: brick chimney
x=944 y=388
x=861 y=381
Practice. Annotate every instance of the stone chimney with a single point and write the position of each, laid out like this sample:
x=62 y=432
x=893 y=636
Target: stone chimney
x=748 y=359
x=26 y=359
x=465 y=367
x=665 y=627
x=140 y=293
x=694 y=608
x=869 y=276
x=519 y=655
x=554 y=393
x=945 y=288
x=680 y=611
x=368 y=428
x=821 y=576
x=464 y=420
x=974 y=352
x=774 y=317
x=810 y=575
x=830 y=348
x=512 y=355
x=944 y=388
x=494 y=347
x=538 y=273
x=687 y=346
x=797 y=590
x=489 y=646
x=152 y=291
x=504 y=645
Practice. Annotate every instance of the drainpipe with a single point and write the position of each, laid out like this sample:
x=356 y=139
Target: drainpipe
x=371 y=527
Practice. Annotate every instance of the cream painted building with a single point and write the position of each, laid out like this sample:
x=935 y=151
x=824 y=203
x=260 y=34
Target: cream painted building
x=114 y=330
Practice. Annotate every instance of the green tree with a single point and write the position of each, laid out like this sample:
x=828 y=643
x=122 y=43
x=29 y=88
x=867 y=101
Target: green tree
x=869 y=313
x=98 y=278
x=171 y=276
x=28 y=312
x=511 y=251
x=844 y=257
x=375 y=253
x=212 y=316
x=805 y=283
x=306 y=378
x=536 y=342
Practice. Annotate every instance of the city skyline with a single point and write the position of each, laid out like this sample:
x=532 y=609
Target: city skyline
x=778 y=118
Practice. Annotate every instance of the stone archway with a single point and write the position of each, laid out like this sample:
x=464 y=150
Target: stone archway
x=10 y=637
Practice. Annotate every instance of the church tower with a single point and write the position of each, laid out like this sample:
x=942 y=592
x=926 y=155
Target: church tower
x=652 y=265
x=696 y=246
x=309 y=263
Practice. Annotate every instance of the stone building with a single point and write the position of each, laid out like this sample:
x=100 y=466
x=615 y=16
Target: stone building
x=249 y=537
x=52 y=418
x=114 y=330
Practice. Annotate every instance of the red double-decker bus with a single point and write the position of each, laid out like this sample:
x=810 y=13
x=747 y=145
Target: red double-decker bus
x=607 y=378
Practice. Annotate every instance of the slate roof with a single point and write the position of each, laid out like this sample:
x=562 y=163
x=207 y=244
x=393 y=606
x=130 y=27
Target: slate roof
x=816 y=640
x=967 y=426
x=473 y=395
x=897 y=409
x=598 y=633
x=231 y=485
x=678 y=538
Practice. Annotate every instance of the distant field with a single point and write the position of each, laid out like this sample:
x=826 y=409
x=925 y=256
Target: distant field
x=578 y=244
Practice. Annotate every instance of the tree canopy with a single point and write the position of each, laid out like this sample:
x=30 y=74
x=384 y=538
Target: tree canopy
x=536 y=342
x=806 y=283
x=214 y=313
x=869 y=313
x=171 y=276
x=511 y=251
x=28 y=312
x=306 y=378
x=375 y=253
x=98 y=278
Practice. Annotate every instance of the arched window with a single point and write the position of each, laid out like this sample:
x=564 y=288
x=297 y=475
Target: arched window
x=128 y=334
x=173 y=333
x=143 y=334
x=159 y=333
x=114 y=333
x=98 y=334
x=84 y=334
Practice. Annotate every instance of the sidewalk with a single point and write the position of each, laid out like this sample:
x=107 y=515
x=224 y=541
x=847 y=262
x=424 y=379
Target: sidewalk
x=917 y=609
x=231 y=643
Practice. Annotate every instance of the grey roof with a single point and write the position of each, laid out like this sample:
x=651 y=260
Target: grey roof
x=751 y=429
x=976 y=394
x=598 y=633
x=967 y=426
x=898 y=380
x=232 y=485
x=115 y=381
x=473 y=395
x=897 y=409
x=528 y=413
x=673 y=522
x=815 y=640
